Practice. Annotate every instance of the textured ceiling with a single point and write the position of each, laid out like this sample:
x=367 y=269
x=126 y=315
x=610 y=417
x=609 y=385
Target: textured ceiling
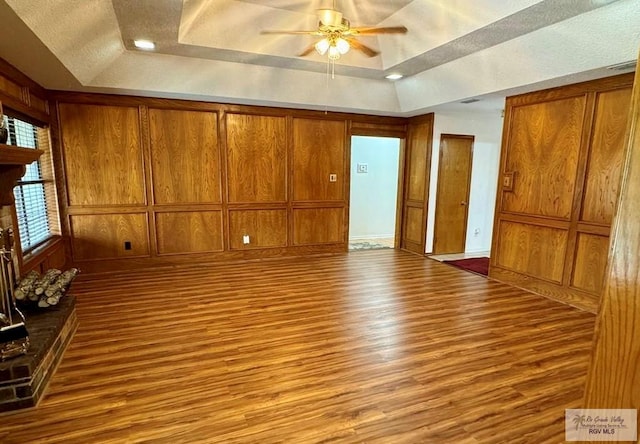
x=214 y=49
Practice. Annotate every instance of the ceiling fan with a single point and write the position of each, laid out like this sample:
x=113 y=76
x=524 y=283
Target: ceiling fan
x=337 y=35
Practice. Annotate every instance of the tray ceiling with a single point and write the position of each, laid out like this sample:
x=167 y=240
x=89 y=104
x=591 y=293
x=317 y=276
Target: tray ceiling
x=214 y=50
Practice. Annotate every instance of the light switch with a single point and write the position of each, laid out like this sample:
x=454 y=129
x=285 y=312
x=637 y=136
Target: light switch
x=333 y=177
x=362 y=168
x=245 y=239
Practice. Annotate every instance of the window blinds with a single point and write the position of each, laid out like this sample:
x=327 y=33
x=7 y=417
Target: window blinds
x=29 y=193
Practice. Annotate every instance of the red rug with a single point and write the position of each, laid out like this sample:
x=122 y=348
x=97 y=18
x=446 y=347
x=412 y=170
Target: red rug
x=478 y=265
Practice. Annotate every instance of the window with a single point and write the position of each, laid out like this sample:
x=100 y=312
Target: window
x=34 y=194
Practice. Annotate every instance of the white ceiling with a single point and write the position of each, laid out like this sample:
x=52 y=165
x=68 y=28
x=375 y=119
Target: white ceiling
x=214 y=50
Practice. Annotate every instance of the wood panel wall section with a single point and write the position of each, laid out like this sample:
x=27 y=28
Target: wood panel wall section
x=612 y=381
x=320 y=176
x=560 y=176
x=417 y=170
x=159 y=181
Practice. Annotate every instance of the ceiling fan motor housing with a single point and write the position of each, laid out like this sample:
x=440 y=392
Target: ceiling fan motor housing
x=330 y=17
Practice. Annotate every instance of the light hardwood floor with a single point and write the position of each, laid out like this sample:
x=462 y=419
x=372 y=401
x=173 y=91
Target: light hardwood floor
x=376 y=347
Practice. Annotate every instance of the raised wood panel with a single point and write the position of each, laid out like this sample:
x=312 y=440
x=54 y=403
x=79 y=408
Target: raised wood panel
x=265 y=228
x=605 y=156
x=318 y=152
x=10 y=88
x=56 y=259
x=532 y=250
x=318 y=226
x=544 y=145
x=38 y=103
x=590 y=262
x=185 y=156
x=413 y=229
x=256 y=158
x=103 y=236
x=189 y=231
x=418 y=152
x=103 y=154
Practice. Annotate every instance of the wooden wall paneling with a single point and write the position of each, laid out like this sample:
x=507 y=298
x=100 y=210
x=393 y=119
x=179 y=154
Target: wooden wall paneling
x=22 y=94
x=318 y=225
x=185 y=158
x=412 y=227
x=605 y=156
x=57 y=155
x=536 y=251
x=143 y=116
x=10 y=88
x=581 y=171
x=543 y=153
x=612 y=381
x=189 y=231
x=256 y=149
x=153 y=207
x=38 y=103
x=592 y=175
x=224 y=176
x=102 y=154
x=103 y=236
x=318 y=152
x=56 y=259
x=417 y=169
x=346 y=161
x=400 y=194
x=378 y=130
x=590 y=261
x=265 y=228
x=290 y=167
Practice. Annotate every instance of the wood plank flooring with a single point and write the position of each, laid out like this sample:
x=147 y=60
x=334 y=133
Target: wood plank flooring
x=367 y=347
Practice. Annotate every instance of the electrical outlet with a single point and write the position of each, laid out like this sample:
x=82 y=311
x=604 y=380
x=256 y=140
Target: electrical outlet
x=476 y=231
x=333 y=177
x=127 y=245
x=245 y=239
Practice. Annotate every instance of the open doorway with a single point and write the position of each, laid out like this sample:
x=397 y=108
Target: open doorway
x=373 y=192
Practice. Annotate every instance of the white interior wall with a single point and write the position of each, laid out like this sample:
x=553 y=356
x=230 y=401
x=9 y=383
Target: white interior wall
x=486 y=127
x=373 y=195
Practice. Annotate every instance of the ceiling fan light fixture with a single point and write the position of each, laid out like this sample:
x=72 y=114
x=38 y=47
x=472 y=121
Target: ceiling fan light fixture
x=342 y=45
x=322 y=46
x=334 y=53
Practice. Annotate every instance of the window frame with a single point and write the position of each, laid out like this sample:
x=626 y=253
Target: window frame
x=46 y=180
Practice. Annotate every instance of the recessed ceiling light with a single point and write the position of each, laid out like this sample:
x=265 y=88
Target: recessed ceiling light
x=394 y=76
x=144 y=44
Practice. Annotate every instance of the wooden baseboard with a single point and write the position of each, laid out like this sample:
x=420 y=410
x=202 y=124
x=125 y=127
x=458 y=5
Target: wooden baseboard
x=569 y=296
x=109 y=265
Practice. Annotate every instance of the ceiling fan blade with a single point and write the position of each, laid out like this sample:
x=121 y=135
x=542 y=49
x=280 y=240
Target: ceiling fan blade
x=316 y=32
x=308 y=50
x=370 y=52
x=387 y=30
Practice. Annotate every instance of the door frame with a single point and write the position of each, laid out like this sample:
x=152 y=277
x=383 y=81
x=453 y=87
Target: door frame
x=439 y=188
x=373 y=130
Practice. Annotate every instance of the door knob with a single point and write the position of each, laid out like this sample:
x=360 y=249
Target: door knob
x=463 y=203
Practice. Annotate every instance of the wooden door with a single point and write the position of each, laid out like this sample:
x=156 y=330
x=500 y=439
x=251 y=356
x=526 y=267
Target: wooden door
x=452 y=197
x=417 y=166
